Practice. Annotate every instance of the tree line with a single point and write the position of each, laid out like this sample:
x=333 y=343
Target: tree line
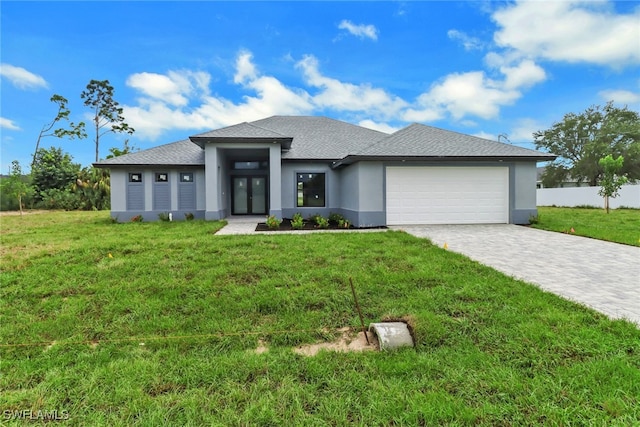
x=582 y=140
x=599 y=147
x=55 y=181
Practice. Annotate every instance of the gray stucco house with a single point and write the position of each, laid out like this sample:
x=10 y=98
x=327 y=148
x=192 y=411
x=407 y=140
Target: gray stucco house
x=315 y=165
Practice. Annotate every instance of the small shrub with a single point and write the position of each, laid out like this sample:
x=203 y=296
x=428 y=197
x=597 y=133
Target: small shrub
x=344 y=223
x=189 y=216
x=321 y=222
x=335 y=218
x=137 y=218
x=114 y=220
x=534 y=219
x=297 y=223
x=314 y=218
x=163 y=216
x=273 y=222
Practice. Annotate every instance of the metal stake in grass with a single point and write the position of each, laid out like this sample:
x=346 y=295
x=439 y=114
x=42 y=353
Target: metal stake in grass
x=355 y=298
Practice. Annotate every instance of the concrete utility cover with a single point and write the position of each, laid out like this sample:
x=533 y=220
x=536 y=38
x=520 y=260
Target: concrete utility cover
x=392 y=335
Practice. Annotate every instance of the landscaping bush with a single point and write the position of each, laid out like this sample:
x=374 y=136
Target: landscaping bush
x=321 y=222
x=297 y=223
x=273 y=222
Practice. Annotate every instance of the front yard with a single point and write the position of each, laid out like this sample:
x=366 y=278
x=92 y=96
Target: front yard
x=619 y=225
x=158 y=323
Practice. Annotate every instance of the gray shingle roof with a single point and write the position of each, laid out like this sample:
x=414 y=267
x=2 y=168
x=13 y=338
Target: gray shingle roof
x=180 y=153
x=242 y=130
x=418 y=140
x=320 y=137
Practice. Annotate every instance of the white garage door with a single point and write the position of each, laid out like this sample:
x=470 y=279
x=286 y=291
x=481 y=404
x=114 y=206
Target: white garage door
x=447 y=195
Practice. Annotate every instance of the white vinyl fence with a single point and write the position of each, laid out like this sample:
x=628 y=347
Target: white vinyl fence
x=579 y=196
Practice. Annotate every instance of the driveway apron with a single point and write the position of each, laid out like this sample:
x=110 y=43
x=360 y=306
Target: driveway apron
x=602 y=275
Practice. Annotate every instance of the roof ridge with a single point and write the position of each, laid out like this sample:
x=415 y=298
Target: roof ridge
x=264 y=128
x=379 y=141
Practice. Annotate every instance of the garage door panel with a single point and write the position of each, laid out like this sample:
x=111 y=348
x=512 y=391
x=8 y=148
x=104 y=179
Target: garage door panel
x=447 y=195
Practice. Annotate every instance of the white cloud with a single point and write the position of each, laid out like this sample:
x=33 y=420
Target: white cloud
x=620 y=96
x=570 y=31
x=427 y=112
x=382 y=127
x=176 y=100
x=486 y=135
x=343 y=96
x=245 y=70
x=181 y=100
x=362 y=31
x=158 y=86
x=523 y=130
x=525 y=74
x=468 y=42
x=21 y=78
x=8 y=124
x=402 y=9
x=474 y=93
x=462 y=94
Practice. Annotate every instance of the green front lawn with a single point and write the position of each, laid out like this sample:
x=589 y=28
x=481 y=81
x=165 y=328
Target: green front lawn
x=619 y=225
x=157 y=323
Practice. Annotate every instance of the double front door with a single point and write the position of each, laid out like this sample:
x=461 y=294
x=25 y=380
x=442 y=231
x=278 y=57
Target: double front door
x=249 y=195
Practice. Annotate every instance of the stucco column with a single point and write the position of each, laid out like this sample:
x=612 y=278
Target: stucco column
x=212 y=208
x=275 y=181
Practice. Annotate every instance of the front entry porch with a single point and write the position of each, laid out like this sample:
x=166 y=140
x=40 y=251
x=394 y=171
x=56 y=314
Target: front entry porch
x=245 y=179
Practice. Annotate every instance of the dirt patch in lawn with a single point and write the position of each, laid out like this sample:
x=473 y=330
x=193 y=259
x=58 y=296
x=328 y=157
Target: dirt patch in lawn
x=262 y=347
x=348 y=341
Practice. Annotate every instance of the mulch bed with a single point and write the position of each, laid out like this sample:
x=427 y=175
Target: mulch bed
x=308 y=225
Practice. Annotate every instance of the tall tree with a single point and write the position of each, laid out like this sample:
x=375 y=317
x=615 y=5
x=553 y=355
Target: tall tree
x=107 y=115
x=74 y=130
x=581 y=140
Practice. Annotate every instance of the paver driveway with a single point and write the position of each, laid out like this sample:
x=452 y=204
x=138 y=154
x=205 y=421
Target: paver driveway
x=602 y=275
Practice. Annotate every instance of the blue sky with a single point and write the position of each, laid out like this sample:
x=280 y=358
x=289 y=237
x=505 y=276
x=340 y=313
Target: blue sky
x=181 y=68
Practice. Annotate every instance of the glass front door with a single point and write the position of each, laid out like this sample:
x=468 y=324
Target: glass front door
x=249 y=195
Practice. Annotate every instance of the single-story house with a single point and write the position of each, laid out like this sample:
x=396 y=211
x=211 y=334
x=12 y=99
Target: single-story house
x=316 y=165
x=569 y=181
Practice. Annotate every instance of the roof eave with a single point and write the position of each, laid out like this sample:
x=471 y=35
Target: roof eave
x=137 y=165
x=357 y=158
x=202 y=140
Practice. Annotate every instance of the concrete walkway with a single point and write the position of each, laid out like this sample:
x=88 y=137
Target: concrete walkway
x=602 y=275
